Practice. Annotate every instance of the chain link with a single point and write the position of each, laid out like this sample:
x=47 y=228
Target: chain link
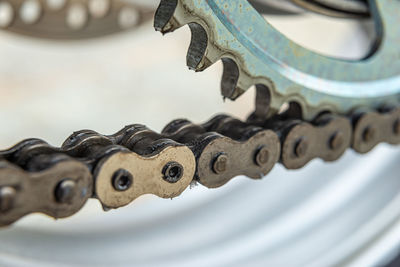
x=116 y=169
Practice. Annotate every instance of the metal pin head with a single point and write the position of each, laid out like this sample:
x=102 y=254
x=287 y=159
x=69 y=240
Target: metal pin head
x=66 y=191
x=220 y=164
x=369 y=134
x=301 y=147
x=122 y=180
x=7 y=198
x=262 y=156
x=172 y=172
x=336 y=141
x=396 y=127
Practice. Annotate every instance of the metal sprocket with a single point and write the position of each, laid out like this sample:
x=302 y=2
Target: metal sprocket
x=255 y=53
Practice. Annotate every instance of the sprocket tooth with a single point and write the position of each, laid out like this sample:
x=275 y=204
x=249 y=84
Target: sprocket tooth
x=164 y=19
x=201 y=53
x=263 y=55
x=230 y=78
x=234 y=81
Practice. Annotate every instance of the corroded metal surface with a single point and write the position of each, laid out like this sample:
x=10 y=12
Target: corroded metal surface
x=256 y=53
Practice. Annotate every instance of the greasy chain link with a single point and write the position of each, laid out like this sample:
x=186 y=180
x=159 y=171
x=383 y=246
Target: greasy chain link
x=116 y=169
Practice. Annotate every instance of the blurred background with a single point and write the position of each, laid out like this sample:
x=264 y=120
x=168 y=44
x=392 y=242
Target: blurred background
x=338 y=214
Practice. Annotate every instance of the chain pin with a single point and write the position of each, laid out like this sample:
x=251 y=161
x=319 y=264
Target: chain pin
x=65 y=191
x=262 y=156
x=122 y=180
x=173 y=172
x=7 y=198
x=301 y=148
x=369 y=134
x=336 y=141
x=396 y=127
x=220 y=164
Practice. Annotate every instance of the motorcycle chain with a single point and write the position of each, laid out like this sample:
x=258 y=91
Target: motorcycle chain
x=116 y=169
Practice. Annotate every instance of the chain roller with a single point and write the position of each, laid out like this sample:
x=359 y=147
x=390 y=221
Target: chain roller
x=116 y=169
x=327 y=138
x=35 y=177
x=372 y=128
x=226 y=147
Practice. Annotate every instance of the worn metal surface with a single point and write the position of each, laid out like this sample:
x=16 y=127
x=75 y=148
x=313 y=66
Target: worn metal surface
x=340 y=214
x=37 y=190
x=226 y=147
x=119 y=168
x=327 y=139
x=370 y=128
x=258 y=54
x=148 y=176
